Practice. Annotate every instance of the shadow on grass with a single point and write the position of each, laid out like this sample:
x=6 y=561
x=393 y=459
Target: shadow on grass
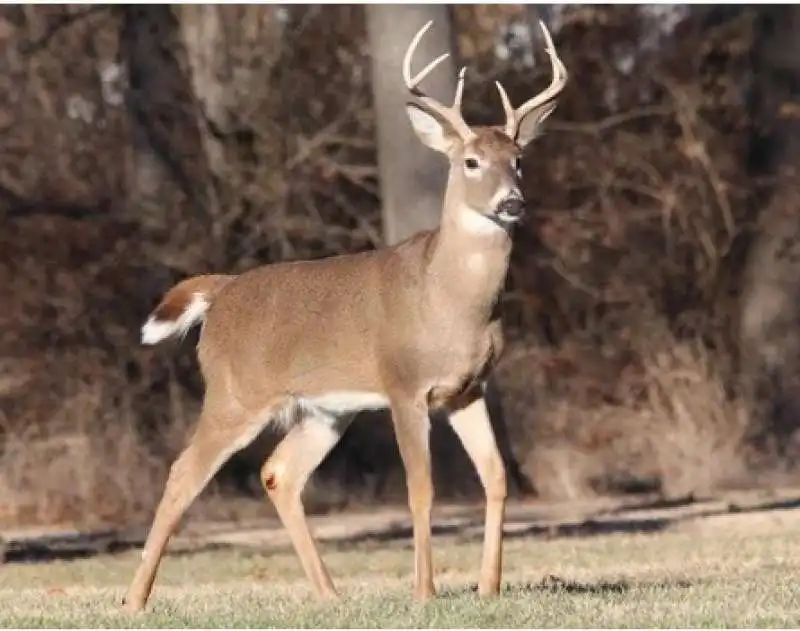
x=602 y=524
x=589 y=527
x=688 y=500
x=82 y=546
x=556 y=585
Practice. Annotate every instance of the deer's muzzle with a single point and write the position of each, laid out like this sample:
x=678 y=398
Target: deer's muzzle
x=510 y=210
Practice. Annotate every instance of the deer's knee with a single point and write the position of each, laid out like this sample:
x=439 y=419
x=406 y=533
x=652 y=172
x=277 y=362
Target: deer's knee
x=275 y=480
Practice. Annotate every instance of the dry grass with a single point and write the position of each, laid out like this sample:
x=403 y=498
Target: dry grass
x=646 y=407
x=728 y=571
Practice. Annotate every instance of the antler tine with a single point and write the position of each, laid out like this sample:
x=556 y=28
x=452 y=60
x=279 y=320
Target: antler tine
x=413 y=83
x=451 y=114
x=552 y=91
x=459 y=89
x=511 y=121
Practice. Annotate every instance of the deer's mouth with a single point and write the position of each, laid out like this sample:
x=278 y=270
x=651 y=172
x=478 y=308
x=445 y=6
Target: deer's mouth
x=509 y=212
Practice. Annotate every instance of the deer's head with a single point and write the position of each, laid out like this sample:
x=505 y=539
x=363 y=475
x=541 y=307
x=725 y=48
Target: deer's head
x=484 y=191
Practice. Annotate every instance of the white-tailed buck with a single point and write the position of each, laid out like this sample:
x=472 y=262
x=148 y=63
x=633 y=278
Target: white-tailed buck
x=413 y=327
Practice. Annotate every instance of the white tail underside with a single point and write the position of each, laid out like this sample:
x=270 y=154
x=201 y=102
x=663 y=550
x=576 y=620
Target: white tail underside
x=155 y=331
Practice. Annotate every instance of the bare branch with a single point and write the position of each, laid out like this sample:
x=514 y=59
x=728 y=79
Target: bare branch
x=68 y=19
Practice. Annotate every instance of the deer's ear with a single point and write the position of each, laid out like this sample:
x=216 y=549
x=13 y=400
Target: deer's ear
x=531 y=126
x=433 y=132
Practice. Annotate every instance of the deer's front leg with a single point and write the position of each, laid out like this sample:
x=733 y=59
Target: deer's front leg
x=471 y=424
x=412 y=428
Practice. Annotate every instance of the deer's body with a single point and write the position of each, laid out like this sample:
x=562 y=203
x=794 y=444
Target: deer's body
x=413 y=327
x=446 y=340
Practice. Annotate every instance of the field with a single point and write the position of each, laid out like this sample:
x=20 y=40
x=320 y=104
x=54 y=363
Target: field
x=702 y=564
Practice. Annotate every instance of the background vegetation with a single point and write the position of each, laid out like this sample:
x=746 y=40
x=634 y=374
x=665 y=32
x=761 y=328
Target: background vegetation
x=651 y=304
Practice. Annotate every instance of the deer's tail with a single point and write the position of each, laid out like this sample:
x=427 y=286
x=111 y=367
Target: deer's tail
x=182 y=307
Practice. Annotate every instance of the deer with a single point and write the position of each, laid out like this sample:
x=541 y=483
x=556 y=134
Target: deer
x=414 y=328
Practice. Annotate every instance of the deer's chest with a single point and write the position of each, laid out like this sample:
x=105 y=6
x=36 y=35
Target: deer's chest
x=458 y=368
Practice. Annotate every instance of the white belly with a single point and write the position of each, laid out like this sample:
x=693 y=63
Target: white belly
x=347 y=402
x=334 y=406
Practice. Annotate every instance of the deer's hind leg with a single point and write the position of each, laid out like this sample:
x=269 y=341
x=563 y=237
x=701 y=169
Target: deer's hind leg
x=222 y=430
x=284 y=476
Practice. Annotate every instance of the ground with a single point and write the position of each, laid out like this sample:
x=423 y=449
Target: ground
x=717 y=563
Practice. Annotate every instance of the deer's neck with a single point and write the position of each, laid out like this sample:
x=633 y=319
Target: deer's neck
x=469 y=263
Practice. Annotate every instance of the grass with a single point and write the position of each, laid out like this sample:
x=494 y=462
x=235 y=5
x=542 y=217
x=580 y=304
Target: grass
x=738 y=571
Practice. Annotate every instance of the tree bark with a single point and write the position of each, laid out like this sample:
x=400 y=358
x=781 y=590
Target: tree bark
x=151 y=177
x=203 y=38
x=770 y=315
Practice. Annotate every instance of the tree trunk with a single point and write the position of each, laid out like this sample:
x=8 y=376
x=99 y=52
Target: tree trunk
x=145 y=33
x=412 y=176
x=770 y=315
x=230 y=52
x=164 y=177
x=203 y=38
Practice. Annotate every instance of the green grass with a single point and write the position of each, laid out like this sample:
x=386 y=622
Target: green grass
x=707 y=576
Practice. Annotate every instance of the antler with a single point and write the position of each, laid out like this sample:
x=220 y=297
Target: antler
x=451 y=114
x=515 y=116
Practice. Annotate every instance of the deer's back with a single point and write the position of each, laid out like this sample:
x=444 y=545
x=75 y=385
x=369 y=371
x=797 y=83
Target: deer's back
x=296 y=325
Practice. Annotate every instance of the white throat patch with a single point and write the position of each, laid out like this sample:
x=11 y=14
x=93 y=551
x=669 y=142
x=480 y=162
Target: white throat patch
x=475 y=222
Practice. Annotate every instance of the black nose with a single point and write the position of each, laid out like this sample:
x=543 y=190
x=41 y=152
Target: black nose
x=511 y=207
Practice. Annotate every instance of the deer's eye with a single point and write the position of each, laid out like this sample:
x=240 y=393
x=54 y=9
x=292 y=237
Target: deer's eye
x=471 y=164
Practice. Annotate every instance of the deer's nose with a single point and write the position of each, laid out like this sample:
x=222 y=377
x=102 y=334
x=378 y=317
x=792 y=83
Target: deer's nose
x=511 y=207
